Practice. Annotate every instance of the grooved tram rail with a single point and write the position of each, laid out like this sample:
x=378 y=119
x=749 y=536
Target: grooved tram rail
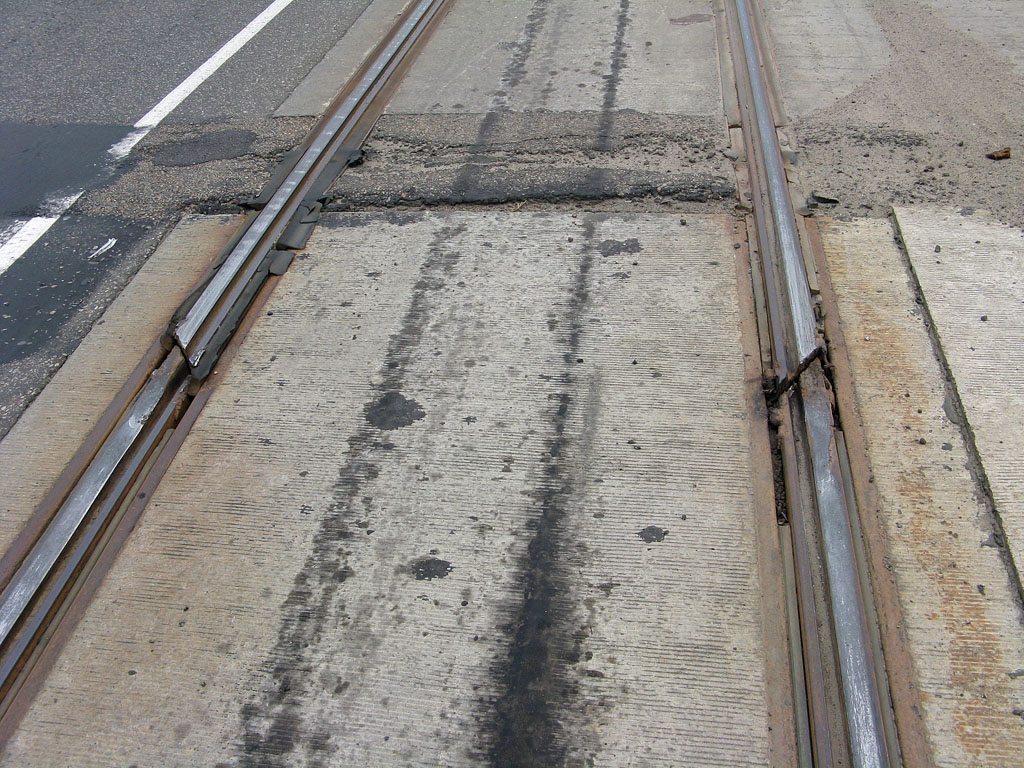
x=72 y=521
x=543 y=451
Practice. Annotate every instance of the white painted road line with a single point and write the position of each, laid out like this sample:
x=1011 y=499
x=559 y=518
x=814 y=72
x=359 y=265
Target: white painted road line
x=23 y=237
x=10 y=230
x=170 y=102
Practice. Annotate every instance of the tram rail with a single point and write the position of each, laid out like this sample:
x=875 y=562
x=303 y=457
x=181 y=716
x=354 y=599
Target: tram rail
x=136 y=436
x=805 y=412
x=74 y=534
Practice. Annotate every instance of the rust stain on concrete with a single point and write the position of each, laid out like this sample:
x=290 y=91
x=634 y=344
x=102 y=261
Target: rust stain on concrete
x=962 y=622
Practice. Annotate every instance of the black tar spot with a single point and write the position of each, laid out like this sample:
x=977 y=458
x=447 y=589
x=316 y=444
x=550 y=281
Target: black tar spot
x=430 y=568
x=615 y=247
x=653 y=533
x=393 y=411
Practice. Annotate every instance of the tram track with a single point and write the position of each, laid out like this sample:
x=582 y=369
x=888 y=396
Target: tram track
x=57 y=561
x=811 y=449
x=60 y=557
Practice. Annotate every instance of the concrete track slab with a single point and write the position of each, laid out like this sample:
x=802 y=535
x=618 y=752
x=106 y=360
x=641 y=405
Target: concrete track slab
x=44 y=439
x=477 y=487
x=958 y=598
x=559 y=55
x=823 y=51
x=326 y=79
x=971 y=272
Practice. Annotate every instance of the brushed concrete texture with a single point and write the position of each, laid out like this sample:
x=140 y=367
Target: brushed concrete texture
x=996 y=24
x=476 y=489
x=560 y=55
x=958 y=599
x=40 y=444
x=327 y=78
x=823 y=50
x=971 y=272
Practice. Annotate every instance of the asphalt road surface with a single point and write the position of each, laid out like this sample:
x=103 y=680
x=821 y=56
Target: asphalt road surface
x=77 y=78
x=492 y=477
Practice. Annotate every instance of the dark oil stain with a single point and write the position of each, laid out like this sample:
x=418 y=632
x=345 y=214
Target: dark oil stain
x=358 y=220
x=427 y=568
x=394 y=411
x=275 y=723
x=653 y=533
x=217 y=145
x=515 y=70
x=615 y=247
x=526 y=728
x=608 y=586
x=512 y=75
x=693 y=18
x=612 y=79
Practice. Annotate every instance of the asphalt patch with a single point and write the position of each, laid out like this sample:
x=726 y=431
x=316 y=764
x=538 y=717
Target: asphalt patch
x=218 y=145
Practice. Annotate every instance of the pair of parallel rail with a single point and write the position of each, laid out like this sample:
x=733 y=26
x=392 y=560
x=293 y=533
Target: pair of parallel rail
x=132 y=444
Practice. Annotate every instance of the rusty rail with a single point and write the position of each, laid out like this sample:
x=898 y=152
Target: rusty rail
x=48 y=562
x=795 y=349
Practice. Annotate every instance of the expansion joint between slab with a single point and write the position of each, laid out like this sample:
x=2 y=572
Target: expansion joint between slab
x=957 y=413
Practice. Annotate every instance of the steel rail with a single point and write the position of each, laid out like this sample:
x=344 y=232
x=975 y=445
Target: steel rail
x=860 y=692
x=822 y=740
x=783 y=216
x=806 y=638
x=856 y=663
x=228 y=284
x=74 y=516
x=66 y=570
x=41 y=559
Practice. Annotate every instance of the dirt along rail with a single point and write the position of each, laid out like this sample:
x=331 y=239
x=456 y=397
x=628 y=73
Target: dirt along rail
x=518 y=444
x=66 y=535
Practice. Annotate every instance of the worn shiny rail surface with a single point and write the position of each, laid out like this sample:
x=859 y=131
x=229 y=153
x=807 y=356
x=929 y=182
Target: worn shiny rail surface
x=39 y=572
x=197 y=332
x=795 y=347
